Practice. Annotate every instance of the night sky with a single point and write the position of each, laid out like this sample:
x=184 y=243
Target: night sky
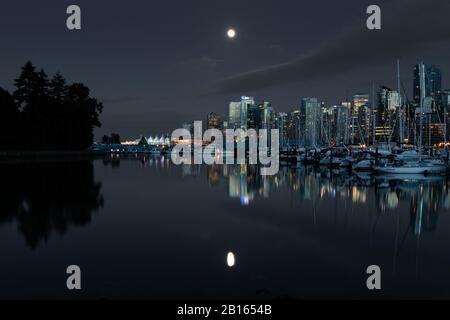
x=158 y=64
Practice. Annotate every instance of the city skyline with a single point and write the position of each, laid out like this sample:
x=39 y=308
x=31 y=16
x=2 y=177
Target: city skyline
x=362 y=119
x=153 y=73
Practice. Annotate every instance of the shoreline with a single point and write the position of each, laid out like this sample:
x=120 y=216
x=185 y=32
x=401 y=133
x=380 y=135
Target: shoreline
x=6 y=155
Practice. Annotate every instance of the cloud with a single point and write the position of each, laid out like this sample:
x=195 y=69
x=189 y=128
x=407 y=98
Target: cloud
x=274 y=47
x=123 y=99
x=408 y=27
x=203 y=61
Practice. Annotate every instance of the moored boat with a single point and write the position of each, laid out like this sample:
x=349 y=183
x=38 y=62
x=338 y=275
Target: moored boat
x=364 y=165
x=330 y=161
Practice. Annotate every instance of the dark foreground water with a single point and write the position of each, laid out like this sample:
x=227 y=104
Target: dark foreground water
x=145 y=228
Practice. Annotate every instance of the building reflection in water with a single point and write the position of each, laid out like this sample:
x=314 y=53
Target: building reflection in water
x=426 y=195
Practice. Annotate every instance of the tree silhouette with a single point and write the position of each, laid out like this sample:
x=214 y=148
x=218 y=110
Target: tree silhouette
x=9 y=120
x=45 y=114
x=114 y=138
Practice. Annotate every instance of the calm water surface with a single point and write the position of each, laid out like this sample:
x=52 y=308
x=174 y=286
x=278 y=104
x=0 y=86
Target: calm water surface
x=145 y=228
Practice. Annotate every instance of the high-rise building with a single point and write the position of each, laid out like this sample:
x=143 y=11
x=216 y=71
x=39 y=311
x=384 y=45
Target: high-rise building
x=433 y=84
x=214 y=121
x=237 y=114
x=265 y=118
x=429 y=105
x=265 y=114
x=311 y=118
x=279 y=121
x=342 y=125
x=189 y=127
x=387 y=107
x=365 y=124
x=253 y=117
x=446 y=110
x=360 y=100
x=292 y=128
x=360 y=118
x=446 y=100
x=329 y=125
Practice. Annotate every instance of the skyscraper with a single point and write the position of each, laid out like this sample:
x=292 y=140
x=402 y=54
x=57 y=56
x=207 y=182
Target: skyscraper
x=433 y=84
x=279 y=121
x=265 y=118
x=387 y=106
x=310 y=126
x=293 y=128
x=428 y=100
x=360 y=121
x=342 y=125
x=237 y=114
x=446 y=99
x=253 y=116
x=446 y=109
x=213 y=121
x=329 y=125
x=265 y=114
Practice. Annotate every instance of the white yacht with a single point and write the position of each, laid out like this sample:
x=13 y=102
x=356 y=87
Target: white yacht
x=364 y=165
x=422 y=167
x=154 y=151
x=330 y=161
x=347 y=162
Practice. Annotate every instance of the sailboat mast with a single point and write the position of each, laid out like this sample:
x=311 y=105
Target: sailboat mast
x=422 y=104
x=400 y=103
x=373 y=115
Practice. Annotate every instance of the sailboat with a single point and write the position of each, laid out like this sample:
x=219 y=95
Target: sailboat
x=411 y=162
x=331 y=161
x=408 y=168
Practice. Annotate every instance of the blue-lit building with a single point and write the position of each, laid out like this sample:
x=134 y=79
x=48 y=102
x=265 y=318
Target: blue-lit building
x=433 y=84
x=310 y=122
x=238 y=113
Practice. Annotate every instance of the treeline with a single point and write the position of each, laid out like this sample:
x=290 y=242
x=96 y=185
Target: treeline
x=47 y=114
x=114 y=138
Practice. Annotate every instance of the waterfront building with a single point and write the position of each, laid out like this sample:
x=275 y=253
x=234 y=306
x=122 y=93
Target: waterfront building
x=143 y=141
x=329 y=125
x=342 y=124
x=189 y=127
x=386 y=117
x=365 y=123
x=280 y=121
x=214 y=121
x=237 y=113
x=311 y=118
x=432 y=84
x=265 y=115
x=360 y=118
x=446 y=109
x=253 y=117
x=293 y=128
x=265 y=118
x=429 y=105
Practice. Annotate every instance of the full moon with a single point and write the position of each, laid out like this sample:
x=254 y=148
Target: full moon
x=231 y=33
x=231 y=259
